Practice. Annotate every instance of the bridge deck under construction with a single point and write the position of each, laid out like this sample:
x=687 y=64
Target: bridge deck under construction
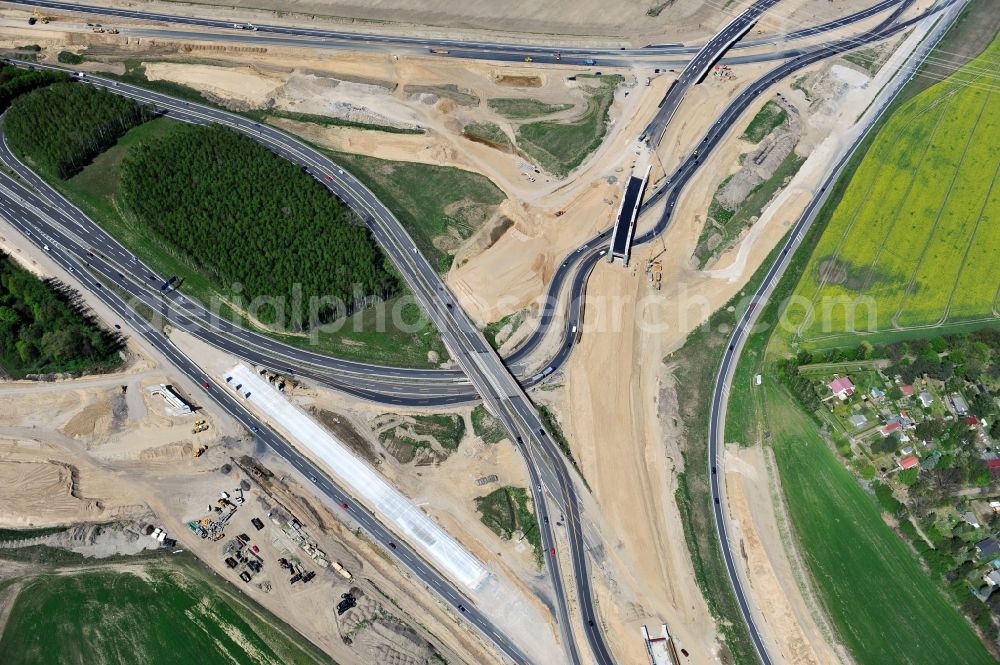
x=621 y=239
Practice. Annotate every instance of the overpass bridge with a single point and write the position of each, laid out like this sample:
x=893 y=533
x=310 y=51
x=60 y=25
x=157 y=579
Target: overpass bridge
x=628 y=214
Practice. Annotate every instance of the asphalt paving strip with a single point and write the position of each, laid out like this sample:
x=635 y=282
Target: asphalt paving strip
x=472 y=49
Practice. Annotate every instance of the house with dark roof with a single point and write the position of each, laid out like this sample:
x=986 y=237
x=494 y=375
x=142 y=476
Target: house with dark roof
x=959 y=404
x=858 y=420
x=987 y=548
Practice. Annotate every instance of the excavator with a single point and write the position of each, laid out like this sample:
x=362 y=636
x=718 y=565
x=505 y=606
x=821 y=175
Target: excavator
x=37 y=16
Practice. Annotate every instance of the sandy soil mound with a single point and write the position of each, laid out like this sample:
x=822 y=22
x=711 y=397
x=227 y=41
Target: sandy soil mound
x=93 y=420
x=761 y=164
x=247 y=84
x=41 y=492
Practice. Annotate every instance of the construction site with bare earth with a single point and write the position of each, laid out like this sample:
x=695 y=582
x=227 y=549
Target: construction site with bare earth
x=421 y=333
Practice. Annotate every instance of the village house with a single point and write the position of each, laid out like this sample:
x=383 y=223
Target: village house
x=959 y=404
x=987 y=548
x=842 y=388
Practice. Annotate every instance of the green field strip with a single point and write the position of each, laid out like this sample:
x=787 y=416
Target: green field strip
x=978 y=283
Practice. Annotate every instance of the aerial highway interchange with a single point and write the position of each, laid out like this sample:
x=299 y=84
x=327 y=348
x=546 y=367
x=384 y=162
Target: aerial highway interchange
x=78 y=244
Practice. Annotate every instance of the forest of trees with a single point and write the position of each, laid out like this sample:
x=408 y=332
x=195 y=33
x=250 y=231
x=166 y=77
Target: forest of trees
x=244 y=215
x=44 y=328
x=65 y=125
x=16 y=81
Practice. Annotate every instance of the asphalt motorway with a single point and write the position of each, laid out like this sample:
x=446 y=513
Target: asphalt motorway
x=454 y=48
x=355 y=512
x=383 y=383
x=696 y=70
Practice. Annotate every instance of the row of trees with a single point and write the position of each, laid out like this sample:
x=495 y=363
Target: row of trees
x=62 y=127
x=15 y=81
x=44 y=328
x=245 y=215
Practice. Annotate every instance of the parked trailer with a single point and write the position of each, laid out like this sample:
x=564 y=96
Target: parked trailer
x=544 y=373
x=343 y=571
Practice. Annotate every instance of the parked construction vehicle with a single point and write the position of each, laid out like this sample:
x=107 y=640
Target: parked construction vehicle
x=340 y=569
x=199 y=426
x=199 y=451
x=37 y=16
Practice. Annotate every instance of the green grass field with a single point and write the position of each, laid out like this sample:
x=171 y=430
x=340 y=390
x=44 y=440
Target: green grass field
x=769 y=117
x=486 y=426
x=438 y=205
x=848 y=548
x=916 y=233
x=561 y=146
x=516 y=108
x=447 y=429
x=487 y=132
x=171 y=616
x=508 y=511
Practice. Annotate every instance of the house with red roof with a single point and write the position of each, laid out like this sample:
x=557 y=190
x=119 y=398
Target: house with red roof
x=993 y=464
x=842 y=387
x=907 y=390
x=891 y=427
x=909 y=462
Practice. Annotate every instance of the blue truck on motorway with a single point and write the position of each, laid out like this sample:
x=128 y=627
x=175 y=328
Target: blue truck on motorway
x=167 y=284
